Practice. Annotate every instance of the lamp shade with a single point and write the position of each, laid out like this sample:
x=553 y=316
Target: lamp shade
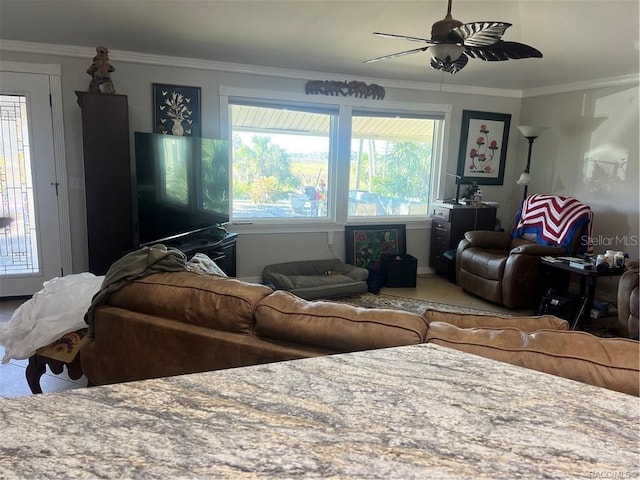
x=530 y=131
x=525 y=179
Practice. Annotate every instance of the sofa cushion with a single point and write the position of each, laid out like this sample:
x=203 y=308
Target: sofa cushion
x=605 y=362
x=472 y=320
x=335 y=326
x=225 y=304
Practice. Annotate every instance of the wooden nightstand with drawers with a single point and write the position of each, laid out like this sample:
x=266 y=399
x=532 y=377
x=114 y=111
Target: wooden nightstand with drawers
x=448 y=226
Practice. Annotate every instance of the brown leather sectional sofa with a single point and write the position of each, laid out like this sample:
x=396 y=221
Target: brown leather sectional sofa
x=176 y=323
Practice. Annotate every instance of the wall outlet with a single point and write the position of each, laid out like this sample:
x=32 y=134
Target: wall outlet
x=330 y=238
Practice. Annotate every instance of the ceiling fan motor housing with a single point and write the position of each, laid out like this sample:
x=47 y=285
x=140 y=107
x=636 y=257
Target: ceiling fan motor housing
x=442 y=31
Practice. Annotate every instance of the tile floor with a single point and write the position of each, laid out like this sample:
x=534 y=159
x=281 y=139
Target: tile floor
x=434 y=288
x=429 y=287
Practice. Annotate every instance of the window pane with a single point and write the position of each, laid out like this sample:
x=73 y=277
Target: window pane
x=280 y=162
x=391 y=160
x=18 y=241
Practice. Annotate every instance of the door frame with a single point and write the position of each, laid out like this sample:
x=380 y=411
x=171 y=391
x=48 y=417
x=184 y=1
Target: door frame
x=54 y=72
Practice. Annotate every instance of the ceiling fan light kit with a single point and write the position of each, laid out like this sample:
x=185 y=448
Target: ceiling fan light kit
x=445 y=52
x=452 y=43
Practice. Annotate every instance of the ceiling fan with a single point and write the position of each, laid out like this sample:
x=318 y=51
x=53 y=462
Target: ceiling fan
x=452 y=43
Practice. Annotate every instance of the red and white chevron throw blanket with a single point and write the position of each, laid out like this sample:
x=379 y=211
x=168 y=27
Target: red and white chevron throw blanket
x=555 y=221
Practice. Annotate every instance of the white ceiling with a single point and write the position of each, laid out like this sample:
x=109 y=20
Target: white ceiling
x=581 y=40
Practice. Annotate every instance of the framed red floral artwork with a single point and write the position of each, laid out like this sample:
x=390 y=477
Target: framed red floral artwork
x=483 y=147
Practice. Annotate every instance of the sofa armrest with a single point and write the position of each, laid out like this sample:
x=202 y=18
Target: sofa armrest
x=488 y=239
x=538 y=250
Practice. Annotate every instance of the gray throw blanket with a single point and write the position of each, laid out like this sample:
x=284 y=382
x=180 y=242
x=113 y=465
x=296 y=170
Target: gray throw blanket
x=134 y=265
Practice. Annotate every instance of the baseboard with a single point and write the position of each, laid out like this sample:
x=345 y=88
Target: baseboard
x=425 y=271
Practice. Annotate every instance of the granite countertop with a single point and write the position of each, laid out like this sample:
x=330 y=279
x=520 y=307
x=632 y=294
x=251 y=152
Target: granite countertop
x=419 y=411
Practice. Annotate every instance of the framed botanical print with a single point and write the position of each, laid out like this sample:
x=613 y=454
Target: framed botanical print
x=483 y=147
x=176 y=110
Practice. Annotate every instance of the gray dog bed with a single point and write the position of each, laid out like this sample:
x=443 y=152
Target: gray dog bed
x=312 y=279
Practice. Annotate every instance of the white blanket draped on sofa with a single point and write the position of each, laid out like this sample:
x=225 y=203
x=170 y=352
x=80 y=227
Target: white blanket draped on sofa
x=53 y=311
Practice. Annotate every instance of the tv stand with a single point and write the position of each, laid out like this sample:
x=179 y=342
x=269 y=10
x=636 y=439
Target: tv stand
x=223 y=251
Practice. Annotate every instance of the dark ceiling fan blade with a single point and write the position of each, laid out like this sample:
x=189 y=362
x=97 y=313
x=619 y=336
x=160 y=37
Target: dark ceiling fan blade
x=449 y=37
x=450 y=67
x=479 y=34
x=402 y=37
x=399 y=54
x=500 y=51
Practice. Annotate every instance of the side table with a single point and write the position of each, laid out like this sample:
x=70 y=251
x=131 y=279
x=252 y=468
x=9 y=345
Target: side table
x=587 y=283
x=63 y=351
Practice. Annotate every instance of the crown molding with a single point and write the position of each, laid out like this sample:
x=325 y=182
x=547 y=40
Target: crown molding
x=50 y=69
x=622 y=80
x=200 y=64
x=258 y=70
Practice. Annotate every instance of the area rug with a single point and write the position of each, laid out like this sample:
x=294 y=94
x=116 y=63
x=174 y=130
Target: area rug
x=602 y=327
x=370 y=300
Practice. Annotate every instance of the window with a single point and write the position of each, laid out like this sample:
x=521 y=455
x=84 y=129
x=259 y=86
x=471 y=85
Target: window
x=280 y=160
x=295 y=161
x=391 y=158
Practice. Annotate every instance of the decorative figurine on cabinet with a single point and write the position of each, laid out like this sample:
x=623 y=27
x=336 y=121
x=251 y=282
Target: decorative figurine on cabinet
x=100 y=71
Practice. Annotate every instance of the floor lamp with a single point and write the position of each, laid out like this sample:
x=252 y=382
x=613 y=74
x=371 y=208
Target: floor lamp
x=530 y=133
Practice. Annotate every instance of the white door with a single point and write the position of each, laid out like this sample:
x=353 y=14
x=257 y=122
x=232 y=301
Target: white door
x=30 y=250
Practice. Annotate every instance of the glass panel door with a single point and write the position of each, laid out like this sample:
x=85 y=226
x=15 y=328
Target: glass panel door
x=18 y=240
x=30 y=246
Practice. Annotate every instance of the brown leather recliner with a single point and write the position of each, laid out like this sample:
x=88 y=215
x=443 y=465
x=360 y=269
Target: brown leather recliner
x=501 y=269
x=628 y=300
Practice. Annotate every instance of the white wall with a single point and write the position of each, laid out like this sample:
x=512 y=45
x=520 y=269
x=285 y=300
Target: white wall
x=590 y=131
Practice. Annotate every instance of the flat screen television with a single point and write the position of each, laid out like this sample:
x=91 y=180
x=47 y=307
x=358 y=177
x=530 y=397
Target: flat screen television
x=181 y=185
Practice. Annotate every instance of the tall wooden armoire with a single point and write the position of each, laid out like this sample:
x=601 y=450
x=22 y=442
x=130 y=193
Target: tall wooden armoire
x=107 y=178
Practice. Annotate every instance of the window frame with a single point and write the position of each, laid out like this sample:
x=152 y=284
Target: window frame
x=340 y=148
